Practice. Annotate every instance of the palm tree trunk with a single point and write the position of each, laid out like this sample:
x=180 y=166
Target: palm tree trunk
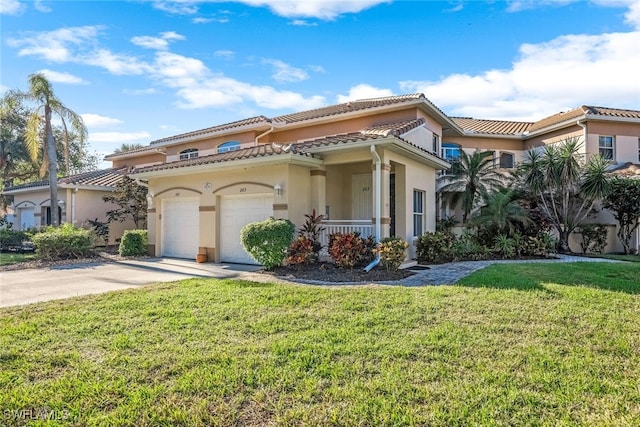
x=53 y=168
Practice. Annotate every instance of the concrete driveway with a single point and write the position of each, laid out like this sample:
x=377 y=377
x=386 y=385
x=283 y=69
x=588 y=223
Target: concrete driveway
x=32 y=285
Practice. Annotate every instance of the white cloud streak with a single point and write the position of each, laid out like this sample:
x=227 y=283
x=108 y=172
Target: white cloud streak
x=67 y=78
x=11 y=7
x=364 y=91
x=96 y=120
x=284 y=72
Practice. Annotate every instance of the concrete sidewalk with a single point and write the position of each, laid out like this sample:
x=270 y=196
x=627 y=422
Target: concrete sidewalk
x=19 y=287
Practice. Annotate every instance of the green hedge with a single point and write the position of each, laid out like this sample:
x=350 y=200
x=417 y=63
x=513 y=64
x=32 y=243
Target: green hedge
x=133 y=243
x=64 y=242
x=12 y=239
x=267 y=241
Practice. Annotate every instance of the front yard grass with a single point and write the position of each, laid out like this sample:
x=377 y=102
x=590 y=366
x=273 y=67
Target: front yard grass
x=617 y=257
x=8 y=258
x=526 y=344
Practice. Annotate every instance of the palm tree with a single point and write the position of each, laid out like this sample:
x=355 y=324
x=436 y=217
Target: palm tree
x=471 y=176
x=47 y=104
x=124 y=147
x=565 y=184
x=501 y=213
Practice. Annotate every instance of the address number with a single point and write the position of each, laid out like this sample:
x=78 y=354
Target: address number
x=243 y=189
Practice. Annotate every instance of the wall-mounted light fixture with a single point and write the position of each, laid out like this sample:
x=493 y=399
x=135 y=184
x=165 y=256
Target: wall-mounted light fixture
x=149 y=200
x=277 y=190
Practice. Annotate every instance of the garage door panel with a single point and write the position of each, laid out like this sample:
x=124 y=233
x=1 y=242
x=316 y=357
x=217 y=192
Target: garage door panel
x=236 y=212
x=180 y=227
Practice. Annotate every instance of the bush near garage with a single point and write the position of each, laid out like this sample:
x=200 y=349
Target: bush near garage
x=64 y=242
x=133 y=243
x=267 y=241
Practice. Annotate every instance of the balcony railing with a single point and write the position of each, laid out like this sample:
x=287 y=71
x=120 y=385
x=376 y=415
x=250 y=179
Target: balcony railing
x=365 y=228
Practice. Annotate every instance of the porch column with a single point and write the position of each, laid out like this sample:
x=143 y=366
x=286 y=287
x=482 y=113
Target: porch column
x=319 y=190
x=385 y=221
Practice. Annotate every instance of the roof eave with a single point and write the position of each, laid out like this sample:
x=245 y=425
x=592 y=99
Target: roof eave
x=612 y=118
x=165 y=142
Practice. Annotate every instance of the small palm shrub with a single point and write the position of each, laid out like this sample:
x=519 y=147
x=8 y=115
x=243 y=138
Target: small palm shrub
x=267 y=241
x=133 y=243
x=504 y=246
x=350 y=250
x=64 y=242
x=467 y=247
x=435 y=248
x=392 y=251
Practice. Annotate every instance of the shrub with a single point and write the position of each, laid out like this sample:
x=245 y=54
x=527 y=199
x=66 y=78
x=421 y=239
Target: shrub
x=467 y=247
x=64 y=242
x=446 y=224
x=302 y=251
x=435 y=247
x=594 y=238
x=133 y=243
x=267 y=241
x=311 y=230
x=101 y=229
x=12 y=240
x=392 y=251
x=504 y=246
x=350 y=250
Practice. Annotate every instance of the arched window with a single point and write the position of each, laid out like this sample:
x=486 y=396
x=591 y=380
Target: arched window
x=228 y=146
x=189 y=153
x=506 y=160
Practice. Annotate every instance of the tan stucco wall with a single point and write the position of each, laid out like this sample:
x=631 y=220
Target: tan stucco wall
x=574 y=131
x=483 y=143
x=141 y=160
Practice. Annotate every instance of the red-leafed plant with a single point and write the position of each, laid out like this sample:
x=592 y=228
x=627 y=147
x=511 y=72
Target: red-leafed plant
x=350 y=250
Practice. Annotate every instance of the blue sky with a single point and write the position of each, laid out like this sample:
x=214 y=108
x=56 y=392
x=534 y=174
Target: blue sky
x=142 y=70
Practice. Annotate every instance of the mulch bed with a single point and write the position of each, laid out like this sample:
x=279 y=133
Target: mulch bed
x=328 y=272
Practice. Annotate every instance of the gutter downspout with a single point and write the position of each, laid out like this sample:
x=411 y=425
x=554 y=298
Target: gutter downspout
x=378 y=160
x=264 y=134
x=73 y=205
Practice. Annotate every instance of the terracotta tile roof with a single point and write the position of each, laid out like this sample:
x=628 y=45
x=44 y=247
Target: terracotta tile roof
x=347 y=107
x=344 y=138
x=262 y=150
x=492 y=127
x=239 y=123
x=394 y=129
x=148 y=148
x=587 y=111
x=99 y=178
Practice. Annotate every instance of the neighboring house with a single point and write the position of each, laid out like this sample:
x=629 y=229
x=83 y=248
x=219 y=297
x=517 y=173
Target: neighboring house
x=368 y=166
x=613 y=133
x=79 y=200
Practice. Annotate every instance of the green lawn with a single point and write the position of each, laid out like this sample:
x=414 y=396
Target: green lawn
x=618 y=257
x=8 y=258
x=528 y=344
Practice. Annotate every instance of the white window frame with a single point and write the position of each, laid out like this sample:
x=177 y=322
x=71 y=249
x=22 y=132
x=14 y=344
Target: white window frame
x=606 y=139
x=230 y=146
x=189 y=153
x=418 y=212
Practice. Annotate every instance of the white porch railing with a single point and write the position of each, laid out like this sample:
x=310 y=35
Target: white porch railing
x=365 y=228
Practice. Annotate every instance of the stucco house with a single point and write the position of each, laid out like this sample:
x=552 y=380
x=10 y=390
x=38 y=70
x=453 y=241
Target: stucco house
x=614 y=133
x=79 y=200
x=367 y=165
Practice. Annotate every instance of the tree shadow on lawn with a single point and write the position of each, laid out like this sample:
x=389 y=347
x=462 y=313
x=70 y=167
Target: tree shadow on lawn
x=617 y=277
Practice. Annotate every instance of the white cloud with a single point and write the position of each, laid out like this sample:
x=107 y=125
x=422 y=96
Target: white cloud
x=364 y=91
x=148 y=91
x=519 y=5
x=317 y=68
x=284 y=72
x=321 y=9
x=227 y=54
x=41 y=7
x=303 y=23
x=565 y=72
x=96 y=120
x=58 y=77
x=55 y=45
x=115 y=63
x=118 y=137
x=11 y=7
x=158 y=43
x=178 y=7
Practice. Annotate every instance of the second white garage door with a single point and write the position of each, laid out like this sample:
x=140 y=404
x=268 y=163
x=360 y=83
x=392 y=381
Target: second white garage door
x=236 y=212
x=180 y=227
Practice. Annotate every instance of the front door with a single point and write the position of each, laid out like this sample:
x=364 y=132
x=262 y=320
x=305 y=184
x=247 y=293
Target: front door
x=361 y=197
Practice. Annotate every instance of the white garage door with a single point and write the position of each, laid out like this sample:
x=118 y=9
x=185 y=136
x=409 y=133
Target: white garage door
x=180 y=227
x=236 y=212
x=27 y=218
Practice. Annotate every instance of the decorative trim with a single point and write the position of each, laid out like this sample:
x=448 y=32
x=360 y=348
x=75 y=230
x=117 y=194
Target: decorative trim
x=151 y=210
x=25 y=204
x=318 y=172
x=261 y=184
x=280 y=207
x=178 y=188
x=207 y=208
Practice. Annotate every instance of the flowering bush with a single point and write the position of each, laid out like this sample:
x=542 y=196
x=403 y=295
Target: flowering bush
x=392 y=251
x=301 y=251
x=350 y=250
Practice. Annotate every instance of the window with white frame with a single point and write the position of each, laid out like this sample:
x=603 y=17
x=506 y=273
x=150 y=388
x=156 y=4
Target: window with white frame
x=228 y=146
x=418 y=213
x=189 y=153
x=506 y=160
x=436 y=143
x=606 y=146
